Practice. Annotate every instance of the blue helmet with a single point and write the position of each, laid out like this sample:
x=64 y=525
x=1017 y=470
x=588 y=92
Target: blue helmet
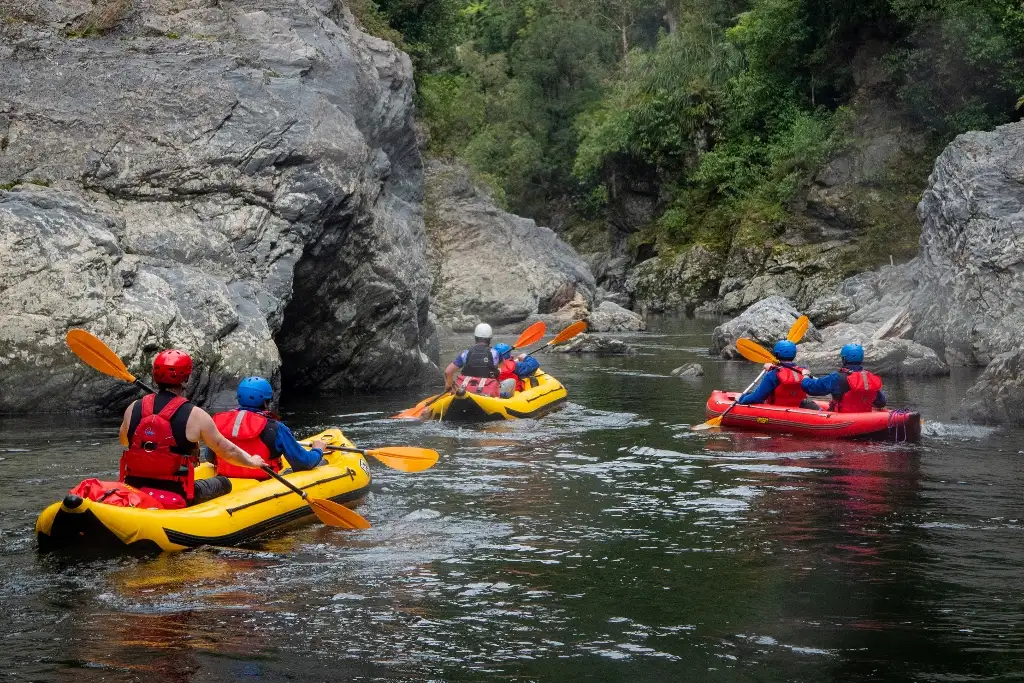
x=852 y=353
x=504 y=351
x=253 y=392
x=784 y=350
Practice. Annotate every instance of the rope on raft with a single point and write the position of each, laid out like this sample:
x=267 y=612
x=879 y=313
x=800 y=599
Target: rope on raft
x=898 y=424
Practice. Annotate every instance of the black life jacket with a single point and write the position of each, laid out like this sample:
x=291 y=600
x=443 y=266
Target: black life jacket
x=480 y=362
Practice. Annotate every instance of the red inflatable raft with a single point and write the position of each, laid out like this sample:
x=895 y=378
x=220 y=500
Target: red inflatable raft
x=892 y=425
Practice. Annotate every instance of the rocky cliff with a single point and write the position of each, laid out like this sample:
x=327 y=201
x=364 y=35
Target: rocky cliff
x=240 y=180
x=495 y=267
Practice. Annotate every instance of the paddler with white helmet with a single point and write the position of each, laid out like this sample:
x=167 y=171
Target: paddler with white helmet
x=477 y=368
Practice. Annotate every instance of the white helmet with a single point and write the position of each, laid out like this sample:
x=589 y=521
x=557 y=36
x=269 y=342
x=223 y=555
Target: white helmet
x=483 y=331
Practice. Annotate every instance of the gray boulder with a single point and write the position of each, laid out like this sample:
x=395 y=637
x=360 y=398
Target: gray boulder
x=972 y=248
x=244 y=186
x=831 y=308
x=766 y=322
x=610 y=317
x=600 y=346
x=490 y=265
x=998 y=396
x=689 y=371
x=682 y=281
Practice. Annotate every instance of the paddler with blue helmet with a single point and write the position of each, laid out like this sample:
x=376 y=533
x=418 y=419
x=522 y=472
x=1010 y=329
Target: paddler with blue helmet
x=781 y=384
x=253 y=427
x=511 y=371
x=853 y=389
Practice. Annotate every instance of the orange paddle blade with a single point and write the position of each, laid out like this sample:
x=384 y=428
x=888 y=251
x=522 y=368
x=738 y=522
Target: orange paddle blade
x=405 y=458
x=415 y=411
x=753 y=351
x=710 y=424
x=336 y=514
x=97 y=355
x=569 y=332
x=531 y=335
x=799 y=329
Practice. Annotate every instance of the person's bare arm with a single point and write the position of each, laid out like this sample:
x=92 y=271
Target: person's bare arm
x=201 y=426
x=125 y=421
x=449 y=375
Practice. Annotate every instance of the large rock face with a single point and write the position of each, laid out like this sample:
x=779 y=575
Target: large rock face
x=493 y=266
x=972 y=248
x=239 y=180
x=998 y=396
x=677 y=282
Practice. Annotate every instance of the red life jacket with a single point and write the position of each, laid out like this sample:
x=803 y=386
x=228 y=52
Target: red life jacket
x=788 y=393
x=507 y=370
x=244 y=429
x=149 y=455
x=115 y=493
x=482 y=386
x=864 y=388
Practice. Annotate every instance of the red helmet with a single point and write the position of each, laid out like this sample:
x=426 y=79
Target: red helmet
x=172 y=367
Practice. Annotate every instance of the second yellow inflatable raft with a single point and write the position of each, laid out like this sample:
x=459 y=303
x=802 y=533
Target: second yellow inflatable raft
x=544 y=395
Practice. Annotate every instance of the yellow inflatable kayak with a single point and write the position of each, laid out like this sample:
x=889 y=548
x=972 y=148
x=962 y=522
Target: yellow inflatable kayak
x=545 y=394
x=252 y=508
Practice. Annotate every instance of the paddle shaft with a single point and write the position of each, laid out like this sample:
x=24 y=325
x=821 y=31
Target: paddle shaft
x=293 y=487
x=145 y=387
x=736 y=402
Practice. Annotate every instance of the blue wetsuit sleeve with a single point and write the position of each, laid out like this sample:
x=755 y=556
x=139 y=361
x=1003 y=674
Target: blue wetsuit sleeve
x=880 y=400
x=460 y=359
x=298 y=457
x=763 y=390
x=527 y=367
x=819 y=386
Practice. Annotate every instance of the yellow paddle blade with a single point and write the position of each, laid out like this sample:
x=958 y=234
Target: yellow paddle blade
x=405 y=458
x=569 y=332
x=336 y=514
x=416 y=409
x=753 y=351
x=97 y=355
x=799 y=329
x=531 y=335
x=710 y=424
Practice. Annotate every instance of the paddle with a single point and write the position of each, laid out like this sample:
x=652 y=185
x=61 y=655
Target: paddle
x=753 y=351
x=401 y=458
x=564 y=336
x=98 y=356
x=531 y=335
x=799 y=329
x=329 y=512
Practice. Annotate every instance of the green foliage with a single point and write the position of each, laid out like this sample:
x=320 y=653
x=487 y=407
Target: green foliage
x=726 y=108
x=961 y=66
x=662 y=106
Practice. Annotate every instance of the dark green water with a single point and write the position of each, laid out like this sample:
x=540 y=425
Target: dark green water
x=606 y=542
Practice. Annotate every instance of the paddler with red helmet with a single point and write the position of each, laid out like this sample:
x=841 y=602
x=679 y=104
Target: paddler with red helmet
x=161 y=434
x=256 y=429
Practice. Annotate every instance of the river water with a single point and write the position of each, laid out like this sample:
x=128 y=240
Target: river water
x=605 y=542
